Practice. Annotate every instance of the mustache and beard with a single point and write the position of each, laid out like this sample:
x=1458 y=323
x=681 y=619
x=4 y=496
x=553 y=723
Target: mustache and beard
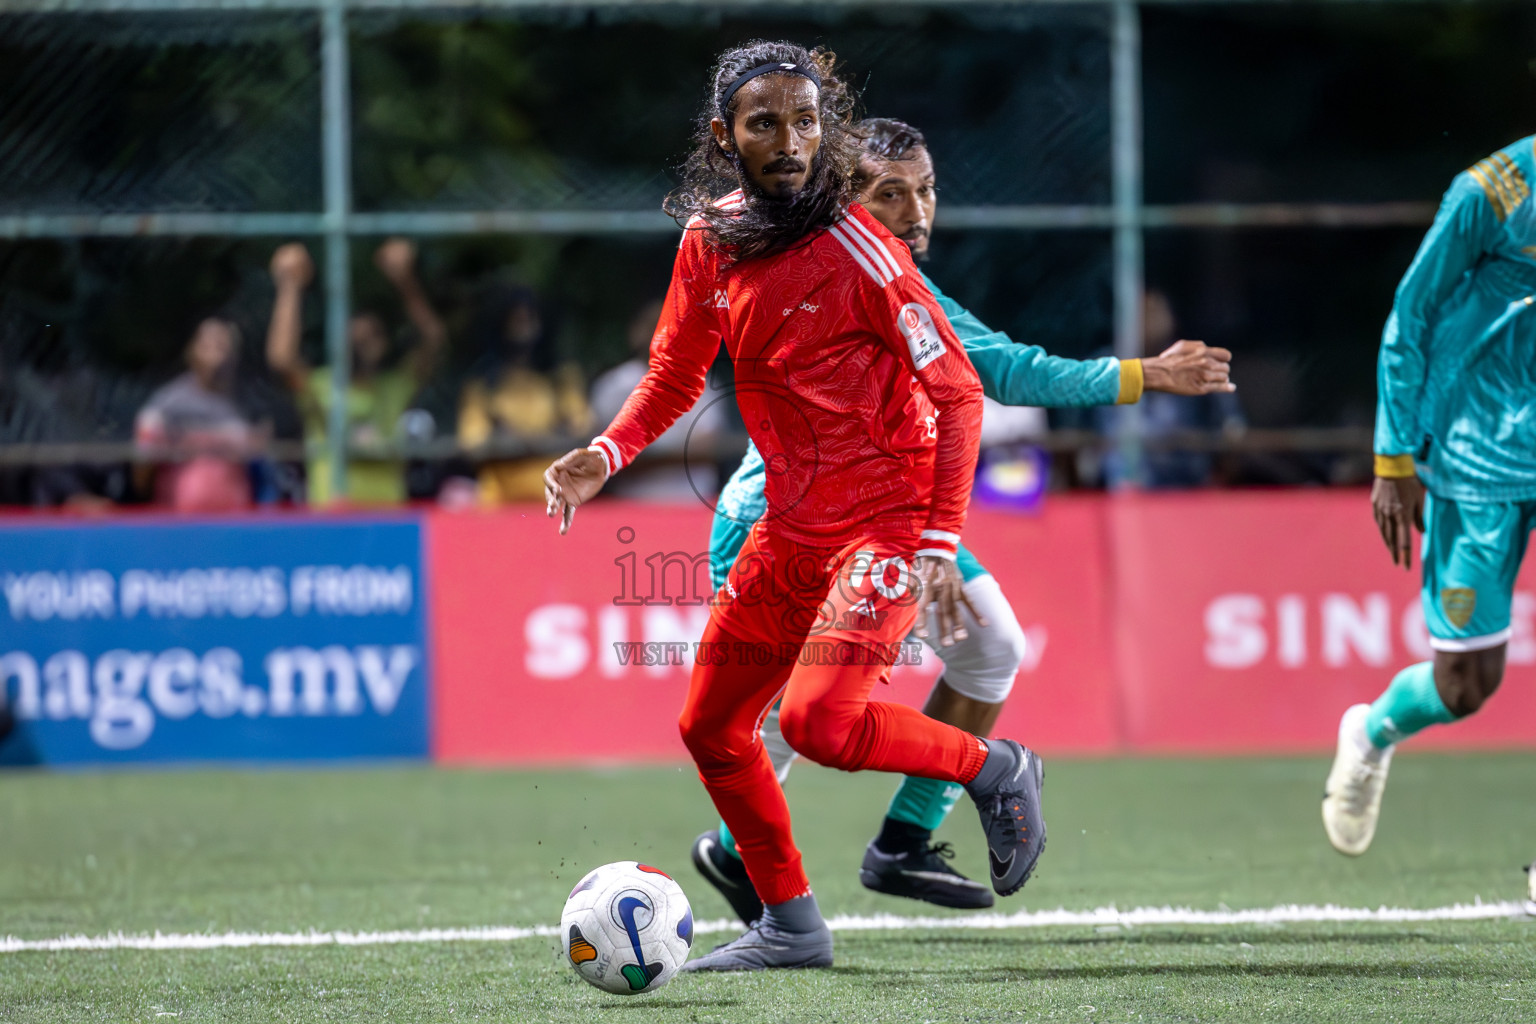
x=780 y=194
x=776 y=219
x=917 y=241
x=785 y=165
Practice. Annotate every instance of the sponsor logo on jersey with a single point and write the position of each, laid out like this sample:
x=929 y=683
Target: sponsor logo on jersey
x=923 y=338
x=721 y=300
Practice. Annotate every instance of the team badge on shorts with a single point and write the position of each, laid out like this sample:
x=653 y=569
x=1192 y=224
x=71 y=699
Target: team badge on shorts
x=1458 y=604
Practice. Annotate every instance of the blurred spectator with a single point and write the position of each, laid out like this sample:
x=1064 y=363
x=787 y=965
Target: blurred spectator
x=1011 y=471
x=378 y=395
x=1163 y=414
x=194 y=424
x=694 y=434
x=516 y=391
x=1010 y=424
x=36 y=411
x=1356 y=469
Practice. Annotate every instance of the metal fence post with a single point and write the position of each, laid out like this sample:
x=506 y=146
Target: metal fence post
x=1125 y=135
x=336 y=143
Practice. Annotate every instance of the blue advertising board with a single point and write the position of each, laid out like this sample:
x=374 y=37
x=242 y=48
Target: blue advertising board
x=250 y=639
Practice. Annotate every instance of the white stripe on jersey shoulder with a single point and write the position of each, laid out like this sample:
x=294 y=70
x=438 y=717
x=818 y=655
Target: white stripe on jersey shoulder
x=839 y=232
x=872 y=249
x=731 y=201
x=879 y=245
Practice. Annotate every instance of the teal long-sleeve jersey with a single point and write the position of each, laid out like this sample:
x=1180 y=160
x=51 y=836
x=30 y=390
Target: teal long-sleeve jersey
x=1010 y=373
x=1456 y=375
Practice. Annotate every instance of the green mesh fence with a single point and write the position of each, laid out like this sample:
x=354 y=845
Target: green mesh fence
x=531 y=147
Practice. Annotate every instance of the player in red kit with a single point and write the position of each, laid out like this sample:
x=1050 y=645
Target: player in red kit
x=867 y=412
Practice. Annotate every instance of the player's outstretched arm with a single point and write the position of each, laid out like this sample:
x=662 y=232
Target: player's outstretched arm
x=571 y=480
x=1015 y=373
x=1189 y=368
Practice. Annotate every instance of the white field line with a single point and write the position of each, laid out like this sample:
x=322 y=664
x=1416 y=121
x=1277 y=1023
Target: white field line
x=1102 y=916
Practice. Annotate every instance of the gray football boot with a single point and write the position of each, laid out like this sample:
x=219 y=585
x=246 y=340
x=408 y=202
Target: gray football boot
x=1006 y=793
x=764 y=947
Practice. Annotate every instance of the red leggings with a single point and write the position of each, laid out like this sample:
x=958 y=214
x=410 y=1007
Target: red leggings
x=820 y=627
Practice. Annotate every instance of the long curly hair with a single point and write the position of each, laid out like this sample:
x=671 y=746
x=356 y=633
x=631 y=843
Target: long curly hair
x=766 y=224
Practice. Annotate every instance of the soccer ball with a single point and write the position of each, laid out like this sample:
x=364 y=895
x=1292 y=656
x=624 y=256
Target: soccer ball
x=627 y=928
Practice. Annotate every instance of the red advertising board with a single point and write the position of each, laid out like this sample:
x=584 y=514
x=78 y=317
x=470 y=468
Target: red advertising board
x=1054 y=570
x=532 y=631
x=526 y=623
x=1203 y=622
x=1248 y=621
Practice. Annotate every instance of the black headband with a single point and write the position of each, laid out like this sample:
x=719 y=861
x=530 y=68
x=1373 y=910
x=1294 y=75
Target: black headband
x=777 y=67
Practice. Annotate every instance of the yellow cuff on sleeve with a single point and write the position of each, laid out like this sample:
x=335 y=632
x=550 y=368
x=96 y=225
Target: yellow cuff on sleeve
x=1395 y=465
x=1131 y=382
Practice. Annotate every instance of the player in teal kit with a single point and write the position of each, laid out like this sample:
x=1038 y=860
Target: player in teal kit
x=1456 y=413
x=896 y=184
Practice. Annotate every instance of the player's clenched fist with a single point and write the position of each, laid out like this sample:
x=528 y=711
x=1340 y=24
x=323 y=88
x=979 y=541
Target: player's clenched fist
x=571 y=480
x=1189 y=368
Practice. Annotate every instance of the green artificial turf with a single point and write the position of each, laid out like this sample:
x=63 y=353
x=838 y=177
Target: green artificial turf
x=397 y=848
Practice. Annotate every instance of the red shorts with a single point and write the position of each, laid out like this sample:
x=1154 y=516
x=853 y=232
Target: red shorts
x=782 y=594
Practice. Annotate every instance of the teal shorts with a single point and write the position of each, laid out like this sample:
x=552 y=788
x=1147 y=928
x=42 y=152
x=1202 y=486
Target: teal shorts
x=1472 y=554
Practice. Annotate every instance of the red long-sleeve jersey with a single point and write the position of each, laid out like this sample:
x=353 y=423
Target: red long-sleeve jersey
x=853 y=386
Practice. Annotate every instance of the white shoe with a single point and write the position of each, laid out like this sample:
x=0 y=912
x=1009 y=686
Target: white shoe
x=1530 y=902
x=1352 y=795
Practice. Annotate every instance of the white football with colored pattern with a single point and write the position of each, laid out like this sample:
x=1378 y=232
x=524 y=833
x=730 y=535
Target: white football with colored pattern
x=627 y=928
